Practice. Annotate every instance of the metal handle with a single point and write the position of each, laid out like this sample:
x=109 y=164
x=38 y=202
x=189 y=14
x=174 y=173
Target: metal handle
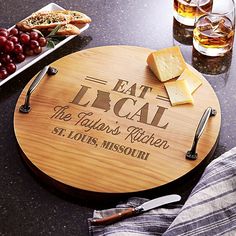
x=192 y=154
x=25 y=108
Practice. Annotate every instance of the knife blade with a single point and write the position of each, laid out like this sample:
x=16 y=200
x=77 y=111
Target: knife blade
x=154 y=203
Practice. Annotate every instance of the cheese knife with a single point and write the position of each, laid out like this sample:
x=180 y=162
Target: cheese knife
x=149 y=205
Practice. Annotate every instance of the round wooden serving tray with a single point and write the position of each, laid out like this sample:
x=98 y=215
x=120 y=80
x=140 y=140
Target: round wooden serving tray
x=104 y=124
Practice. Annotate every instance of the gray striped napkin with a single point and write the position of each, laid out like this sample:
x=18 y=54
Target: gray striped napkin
x=209 y=210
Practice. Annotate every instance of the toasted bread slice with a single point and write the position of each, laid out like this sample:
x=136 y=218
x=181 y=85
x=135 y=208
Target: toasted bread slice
x=50 y=19
x=76 y=17
x=67 y=29
x=43 y=20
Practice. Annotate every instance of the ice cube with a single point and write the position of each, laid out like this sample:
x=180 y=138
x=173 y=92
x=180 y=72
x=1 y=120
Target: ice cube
x=190 y=2
x=231 y=34
x=221 y=28
x=207 y=19
x=215 y=22
x=204 y=27
x=216 y=35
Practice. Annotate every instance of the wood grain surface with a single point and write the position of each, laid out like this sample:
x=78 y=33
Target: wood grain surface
x=104 y=123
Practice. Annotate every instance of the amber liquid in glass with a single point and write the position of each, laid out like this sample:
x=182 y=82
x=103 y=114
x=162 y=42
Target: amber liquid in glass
x=186 y=10
x=213 y=35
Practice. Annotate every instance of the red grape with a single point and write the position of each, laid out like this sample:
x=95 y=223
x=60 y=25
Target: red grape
x=42 y=42
x=4 y=33
x=18 y=48
x=5 y=59
x=15 y=45
x=9 y=46
x=24 y=38
x=11 y=68
x=3 y=74
x=14 y=31
x=34 y=35
x=38 y=50
x=2 y=40
x=20 y=57
x=28 y=51
x=33 y=44
x=14 y=39
x=3 y=29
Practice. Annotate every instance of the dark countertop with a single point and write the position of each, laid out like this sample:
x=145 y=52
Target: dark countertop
x=26 y=206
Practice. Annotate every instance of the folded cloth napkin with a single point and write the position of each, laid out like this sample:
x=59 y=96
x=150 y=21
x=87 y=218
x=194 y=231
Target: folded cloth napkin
x=209 y=210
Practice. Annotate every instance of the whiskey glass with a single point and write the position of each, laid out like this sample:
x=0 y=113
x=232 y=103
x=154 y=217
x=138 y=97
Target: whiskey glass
x=214 y=28
x=185 y=11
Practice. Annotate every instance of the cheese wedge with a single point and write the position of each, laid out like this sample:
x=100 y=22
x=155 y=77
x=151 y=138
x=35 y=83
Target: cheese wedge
x=166 y=63
x=178 y=92
x=192 y=79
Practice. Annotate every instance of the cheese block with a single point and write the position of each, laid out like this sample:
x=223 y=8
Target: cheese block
x=166 y=63
x=192 y=79
x=178 y=92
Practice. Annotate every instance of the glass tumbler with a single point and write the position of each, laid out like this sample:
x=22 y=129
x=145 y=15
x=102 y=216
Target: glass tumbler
x=214 y=28
x=185 y=10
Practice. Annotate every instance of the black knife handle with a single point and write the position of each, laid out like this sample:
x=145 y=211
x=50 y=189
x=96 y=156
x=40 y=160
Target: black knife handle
x=115 y=217
x=192 y=154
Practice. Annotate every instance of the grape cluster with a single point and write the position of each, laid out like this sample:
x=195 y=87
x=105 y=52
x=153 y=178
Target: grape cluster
x=15 y=46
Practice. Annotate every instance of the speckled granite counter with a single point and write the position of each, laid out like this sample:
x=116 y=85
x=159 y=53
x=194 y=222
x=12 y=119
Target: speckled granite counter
x=26 y=206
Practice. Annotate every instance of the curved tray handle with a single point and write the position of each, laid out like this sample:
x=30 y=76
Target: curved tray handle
x=192 y=154
x=25 y=108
